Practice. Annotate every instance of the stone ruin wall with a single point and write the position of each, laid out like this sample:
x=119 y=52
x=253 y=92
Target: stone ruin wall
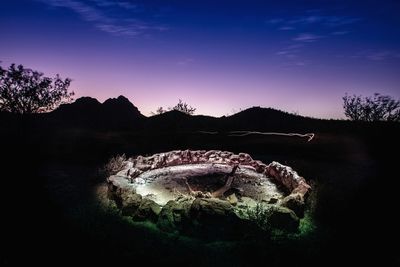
x=283 y=175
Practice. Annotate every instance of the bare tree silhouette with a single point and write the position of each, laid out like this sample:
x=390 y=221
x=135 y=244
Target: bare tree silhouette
x=376 y=108
x=24 y=90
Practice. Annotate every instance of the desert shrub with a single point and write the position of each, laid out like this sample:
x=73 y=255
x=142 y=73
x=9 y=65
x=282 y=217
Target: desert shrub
x=184 y=107
x=180 y=106
x=260 y=215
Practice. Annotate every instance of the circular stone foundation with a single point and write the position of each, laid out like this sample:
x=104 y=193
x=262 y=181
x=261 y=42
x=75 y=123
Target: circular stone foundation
x=202 y=191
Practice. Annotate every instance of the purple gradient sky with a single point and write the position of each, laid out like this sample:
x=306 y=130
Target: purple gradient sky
x=297 y=56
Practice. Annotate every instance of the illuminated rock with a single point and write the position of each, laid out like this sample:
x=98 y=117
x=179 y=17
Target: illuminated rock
x=283 y=218
x=174 y=216
x=147 y=210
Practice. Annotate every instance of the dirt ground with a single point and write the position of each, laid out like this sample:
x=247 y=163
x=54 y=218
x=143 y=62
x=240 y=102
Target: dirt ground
x=50 y=213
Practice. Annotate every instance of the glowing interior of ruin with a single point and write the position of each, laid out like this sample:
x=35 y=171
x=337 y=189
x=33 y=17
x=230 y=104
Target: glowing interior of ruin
x=165 y=176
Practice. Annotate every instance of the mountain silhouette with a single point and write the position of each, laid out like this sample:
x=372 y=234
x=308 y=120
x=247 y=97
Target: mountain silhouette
x=121 y=106
x=257 y=118
x=87 y=113
x=114 y=113
x=120 y=113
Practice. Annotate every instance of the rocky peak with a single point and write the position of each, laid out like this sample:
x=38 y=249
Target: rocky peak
x=121 y=104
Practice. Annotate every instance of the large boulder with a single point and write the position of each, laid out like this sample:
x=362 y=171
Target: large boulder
x=210 y=208
x=174 y=216
x=129 y=203
x=147 y=210
x=283 y=218
x=215 y=218
x=294 y=202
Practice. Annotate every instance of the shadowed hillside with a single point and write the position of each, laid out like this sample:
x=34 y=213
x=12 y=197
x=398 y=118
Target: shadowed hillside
x=87 y=113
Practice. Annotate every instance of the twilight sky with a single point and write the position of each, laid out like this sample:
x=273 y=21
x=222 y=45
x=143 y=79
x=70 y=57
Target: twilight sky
x=219 y=56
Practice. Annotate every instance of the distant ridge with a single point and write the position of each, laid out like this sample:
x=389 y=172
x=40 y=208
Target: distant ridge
x=258 y=118
x=120 y=114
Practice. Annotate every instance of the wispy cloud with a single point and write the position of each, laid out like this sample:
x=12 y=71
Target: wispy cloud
x=305 y=29
x=291 y=52
x=185 y=61
x=314 y=17
x=87 y=12
x=295 y=63
x=282 y=52
x=334 y=21
x=331 y=21
x=307 y=37
x=104 y=15
x=340 y=32
x=377 y=55
x=286 y=28
x=127 y=5
x=300 y=63
x=109 y=3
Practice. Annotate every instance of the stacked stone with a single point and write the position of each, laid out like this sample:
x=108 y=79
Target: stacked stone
x=282 y=174
x=179 y=157
x=180 y=214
